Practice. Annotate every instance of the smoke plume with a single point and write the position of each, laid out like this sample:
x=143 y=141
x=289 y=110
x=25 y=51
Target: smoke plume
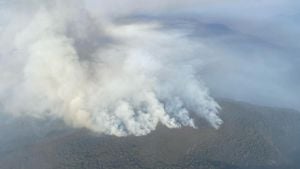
x=58 y=60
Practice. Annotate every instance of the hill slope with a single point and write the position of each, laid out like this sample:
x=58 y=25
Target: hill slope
x=251 y=137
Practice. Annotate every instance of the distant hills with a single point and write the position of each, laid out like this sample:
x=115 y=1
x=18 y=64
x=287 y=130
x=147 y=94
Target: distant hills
x=252 y=137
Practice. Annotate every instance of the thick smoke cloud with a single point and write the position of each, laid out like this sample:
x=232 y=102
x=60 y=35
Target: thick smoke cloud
x=122 y=67
x=58 y=60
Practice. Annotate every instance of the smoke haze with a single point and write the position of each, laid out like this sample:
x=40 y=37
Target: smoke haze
x=121 y=68
x=111 y=78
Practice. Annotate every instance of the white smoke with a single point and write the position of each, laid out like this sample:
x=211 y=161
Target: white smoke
x=120 y=79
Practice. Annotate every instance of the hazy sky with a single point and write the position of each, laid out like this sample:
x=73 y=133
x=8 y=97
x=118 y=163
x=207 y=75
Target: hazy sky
x=257 y=43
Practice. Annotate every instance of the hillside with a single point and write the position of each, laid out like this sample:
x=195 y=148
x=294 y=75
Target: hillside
x=252 y=137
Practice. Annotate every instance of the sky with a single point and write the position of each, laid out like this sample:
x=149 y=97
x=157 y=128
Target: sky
x=256 y=43
x=122 y=67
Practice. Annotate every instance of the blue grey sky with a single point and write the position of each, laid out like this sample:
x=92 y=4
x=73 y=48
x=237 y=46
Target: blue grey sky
x=256 y=44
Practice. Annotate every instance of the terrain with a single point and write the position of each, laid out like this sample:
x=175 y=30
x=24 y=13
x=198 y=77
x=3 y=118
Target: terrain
x=251 y=137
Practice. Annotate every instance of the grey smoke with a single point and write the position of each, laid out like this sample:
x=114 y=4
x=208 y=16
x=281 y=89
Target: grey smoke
x=122 y=67
x=129 y=78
